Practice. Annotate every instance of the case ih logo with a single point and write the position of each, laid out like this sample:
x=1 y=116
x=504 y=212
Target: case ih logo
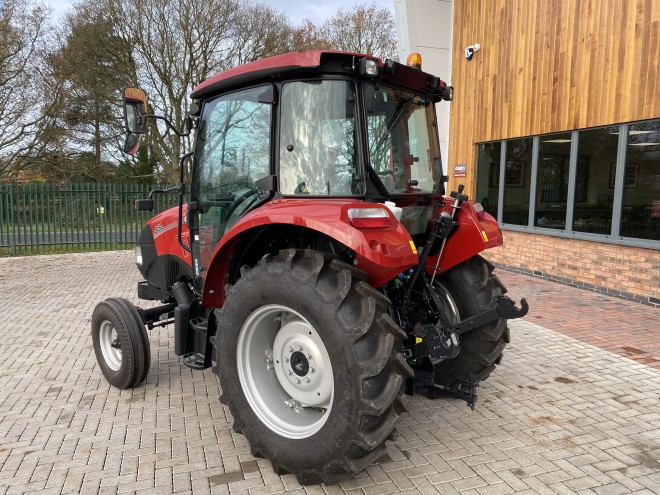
x=159 y=229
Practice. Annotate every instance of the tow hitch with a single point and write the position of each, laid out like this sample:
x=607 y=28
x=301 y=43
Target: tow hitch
x=506 y=308
x=443 y=342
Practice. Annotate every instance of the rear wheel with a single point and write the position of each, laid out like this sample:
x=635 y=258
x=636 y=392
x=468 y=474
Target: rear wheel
x=466 y=290
x=310 y=365
x=121 y=343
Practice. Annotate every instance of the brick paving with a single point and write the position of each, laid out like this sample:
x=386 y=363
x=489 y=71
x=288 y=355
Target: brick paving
x=630 y=330
x=560 y=415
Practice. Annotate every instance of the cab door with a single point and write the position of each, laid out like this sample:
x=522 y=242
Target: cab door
x=233 y=151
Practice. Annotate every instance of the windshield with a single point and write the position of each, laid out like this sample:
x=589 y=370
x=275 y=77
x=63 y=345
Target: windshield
x=318 y=154
x=403 y=147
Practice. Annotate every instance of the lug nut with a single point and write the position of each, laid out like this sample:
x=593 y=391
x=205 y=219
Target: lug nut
x=297 y=380
x=307 y=379
x=300 y=348
x=311 y=370
x=309 y=356
x=289 y=372
x=290 y=349
x=286 y=359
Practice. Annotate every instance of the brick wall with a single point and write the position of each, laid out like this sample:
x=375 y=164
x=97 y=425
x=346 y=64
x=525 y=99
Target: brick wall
x=629 y=272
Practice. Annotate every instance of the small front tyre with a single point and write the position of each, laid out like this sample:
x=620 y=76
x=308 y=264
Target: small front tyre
x=121 y=343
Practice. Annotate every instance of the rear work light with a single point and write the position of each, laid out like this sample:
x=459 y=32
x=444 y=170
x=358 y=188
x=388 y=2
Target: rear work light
x=369 y=67
x=369 y=218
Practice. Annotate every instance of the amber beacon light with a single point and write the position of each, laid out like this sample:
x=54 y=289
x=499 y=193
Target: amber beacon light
x=415 y=60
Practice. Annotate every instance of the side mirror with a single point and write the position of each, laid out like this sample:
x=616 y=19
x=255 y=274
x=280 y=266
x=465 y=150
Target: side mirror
x=144 y=204
x=135 y=118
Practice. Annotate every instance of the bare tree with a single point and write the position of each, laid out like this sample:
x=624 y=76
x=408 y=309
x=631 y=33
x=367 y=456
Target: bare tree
x=309 y=36
x=260 y=32
x=364 y=29
x=176 y=44
x=25 y=90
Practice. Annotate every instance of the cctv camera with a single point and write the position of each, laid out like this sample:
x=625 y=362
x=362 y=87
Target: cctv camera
x=469 y=51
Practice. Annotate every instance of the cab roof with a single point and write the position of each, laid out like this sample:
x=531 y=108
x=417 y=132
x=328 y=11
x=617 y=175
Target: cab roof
x=310 y=63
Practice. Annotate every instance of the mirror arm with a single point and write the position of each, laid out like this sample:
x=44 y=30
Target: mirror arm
x=171 y=126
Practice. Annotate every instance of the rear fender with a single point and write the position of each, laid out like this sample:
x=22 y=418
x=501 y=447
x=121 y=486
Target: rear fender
x=381 y=253
x=476 y=232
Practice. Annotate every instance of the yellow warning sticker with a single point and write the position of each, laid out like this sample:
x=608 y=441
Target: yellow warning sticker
x=484 y=235
x=418 y=340
x=412 y=246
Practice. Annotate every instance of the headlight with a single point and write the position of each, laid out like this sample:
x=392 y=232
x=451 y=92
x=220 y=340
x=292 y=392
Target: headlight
x=138 y=255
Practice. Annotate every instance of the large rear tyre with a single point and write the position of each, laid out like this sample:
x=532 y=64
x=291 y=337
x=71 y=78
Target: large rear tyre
x=466 y=290
x=121 y=343
x=310 y=365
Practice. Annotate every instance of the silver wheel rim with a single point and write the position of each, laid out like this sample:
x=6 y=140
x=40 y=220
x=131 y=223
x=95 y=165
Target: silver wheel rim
x=444 y=293
x=111 y=354
x=285 y=372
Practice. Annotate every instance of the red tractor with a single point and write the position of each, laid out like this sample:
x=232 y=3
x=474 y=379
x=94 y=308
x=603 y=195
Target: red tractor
x=316 y=264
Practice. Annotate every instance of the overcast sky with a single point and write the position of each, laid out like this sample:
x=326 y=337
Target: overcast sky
x=295 y=10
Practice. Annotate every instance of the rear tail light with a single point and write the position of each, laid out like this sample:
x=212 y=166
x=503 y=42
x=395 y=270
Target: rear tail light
x=369 y=218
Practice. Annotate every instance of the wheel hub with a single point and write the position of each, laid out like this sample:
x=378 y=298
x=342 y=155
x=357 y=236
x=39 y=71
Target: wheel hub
x=291 y=390
x=302 y=363
x=299 y=363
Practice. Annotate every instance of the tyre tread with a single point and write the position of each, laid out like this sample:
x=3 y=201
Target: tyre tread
x=369 y=331
x=474 y=287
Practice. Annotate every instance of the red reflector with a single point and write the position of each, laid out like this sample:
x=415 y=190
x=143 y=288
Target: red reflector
x=369 y=218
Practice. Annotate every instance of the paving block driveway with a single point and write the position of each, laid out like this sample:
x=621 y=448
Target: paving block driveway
x=559 y=415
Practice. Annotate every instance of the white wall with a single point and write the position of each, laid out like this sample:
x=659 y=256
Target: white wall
x=426 y=27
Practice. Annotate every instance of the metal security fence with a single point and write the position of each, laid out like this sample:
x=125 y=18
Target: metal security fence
x=52 y=218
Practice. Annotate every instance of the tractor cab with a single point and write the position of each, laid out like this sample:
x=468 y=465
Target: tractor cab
x=314 y=125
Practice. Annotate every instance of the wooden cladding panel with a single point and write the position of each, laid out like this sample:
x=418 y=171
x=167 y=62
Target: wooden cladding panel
x=549 y=66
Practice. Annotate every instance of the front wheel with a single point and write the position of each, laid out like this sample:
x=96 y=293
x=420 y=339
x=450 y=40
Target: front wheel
x=310 y=365
x=121 y=343
x=467 y=290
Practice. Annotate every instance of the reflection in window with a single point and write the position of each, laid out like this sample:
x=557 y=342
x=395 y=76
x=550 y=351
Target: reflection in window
x=640 y=215
x=232 y=153
x=516 y=181
x=552 y=181
x=598 y=150
x=488 y=176
x=234 y=143
x=318 y=154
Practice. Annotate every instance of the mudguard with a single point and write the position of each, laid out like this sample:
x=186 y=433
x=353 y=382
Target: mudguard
x=382 y=253
x=476 y=232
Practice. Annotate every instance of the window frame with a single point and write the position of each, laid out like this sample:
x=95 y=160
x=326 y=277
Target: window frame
x=614 y=236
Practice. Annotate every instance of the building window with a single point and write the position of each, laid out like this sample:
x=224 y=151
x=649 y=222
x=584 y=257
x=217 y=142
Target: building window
x=598 y=148
x=601 y=183
x=640 y=213
x=552 y=182
x=517 y=173
x=488 y=178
